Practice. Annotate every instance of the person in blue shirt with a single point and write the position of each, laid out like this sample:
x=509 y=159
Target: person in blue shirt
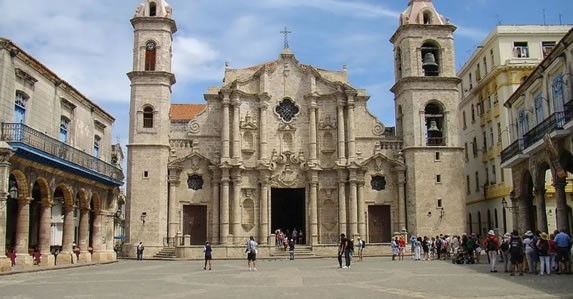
x=563 y=242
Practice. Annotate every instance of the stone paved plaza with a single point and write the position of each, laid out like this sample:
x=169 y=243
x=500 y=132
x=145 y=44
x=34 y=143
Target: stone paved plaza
x=303 y=278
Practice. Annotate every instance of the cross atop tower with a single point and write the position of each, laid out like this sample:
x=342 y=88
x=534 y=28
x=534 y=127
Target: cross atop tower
x=286 y=32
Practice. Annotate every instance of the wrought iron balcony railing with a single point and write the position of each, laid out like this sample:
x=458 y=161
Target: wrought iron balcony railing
x=20 y=133
x=569 y=111
x=550 y=124
x=512 y=150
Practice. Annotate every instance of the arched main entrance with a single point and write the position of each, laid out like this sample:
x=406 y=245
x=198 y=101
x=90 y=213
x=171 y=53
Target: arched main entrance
x=288 y=210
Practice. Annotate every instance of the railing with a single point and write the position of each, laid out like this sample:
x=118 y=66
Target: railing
x=20 y=133
x=569 y=111
x=550 y=124
x=512 y=150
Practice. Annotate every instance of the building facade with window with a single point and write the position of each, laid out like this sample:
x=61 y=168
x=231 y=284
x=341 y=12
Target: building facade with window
x=539 y=155
x=286 y=145
x=59 y=185
x=491 y=75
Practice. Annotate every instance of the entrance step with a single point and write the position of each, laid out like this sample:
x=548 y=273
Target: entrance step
x=299 y=251
x=166 y=252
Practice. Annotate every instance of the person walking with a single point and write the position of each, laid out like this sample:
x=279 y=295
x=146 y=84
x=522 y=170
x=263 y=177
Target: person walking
x=291 y=249
x=342 y=248
x=491 y=245
x=543 y=252
x=139 y=251
x=208 y=255
x=562 y=242
x=516 y=251
x=504 y=250
x=251 y=251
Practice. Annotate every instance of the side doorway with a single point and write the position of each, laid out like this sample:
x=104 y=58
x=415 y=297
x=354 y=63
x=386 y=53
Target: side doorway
x=379 y=224
x=195 y=223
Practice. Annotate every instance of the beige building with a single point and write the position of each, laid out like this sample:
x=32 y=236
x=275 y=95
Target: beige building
x=491 y=75
x=540 y=115
x=286 y=145
x=59 y=177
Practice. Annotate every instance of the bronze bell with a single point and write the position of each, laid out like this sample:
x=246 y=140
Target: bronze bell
x=433 y=126
x=429 y=61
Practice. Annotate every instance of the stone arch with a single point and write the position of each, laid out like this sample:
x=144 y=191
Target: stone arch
x=431 y=58
x=400 y=122
x=434 y=116
x=67 y=193
x=45 y=190
x=21 y=183
x=566 y=160
x=427 y=17
x=84 y=199
x=96 y=202
x=398 y=62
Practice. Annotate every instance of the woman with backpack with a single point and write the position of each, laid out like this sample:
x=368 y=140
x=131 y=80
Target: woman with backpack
x=543 y=252
x=491 y=245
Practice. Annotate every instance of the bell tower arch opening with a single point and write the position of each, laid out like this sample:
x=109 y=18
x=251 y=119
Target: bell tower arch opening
x=430 y=59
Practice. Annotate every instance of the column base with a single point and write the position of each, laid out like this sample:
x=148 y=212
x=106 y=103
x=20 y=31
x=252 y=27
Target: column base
x=5 y=264
x=104 y=256
x=47 y=259
x=24 y=259
x=85 y=257
x=65 y=258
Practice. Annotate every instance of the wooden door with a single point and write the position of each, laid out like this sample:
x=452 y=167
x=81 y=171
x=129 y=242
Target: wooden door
x=195 y=223
x=379 y=224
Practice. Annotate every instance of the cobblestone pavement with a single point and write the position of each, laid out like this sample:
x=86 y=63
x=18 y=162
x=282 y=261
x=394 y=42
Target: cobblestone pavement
x=304 y=278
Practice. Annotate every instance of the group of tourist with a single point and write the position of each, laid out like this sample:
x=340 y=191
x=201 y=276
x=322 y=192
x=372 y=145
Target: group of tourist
x=346 y=248
x=283 y=238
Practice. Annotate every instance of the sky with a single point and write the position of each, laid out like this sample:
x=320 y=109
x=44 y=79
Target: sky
x=89 y=43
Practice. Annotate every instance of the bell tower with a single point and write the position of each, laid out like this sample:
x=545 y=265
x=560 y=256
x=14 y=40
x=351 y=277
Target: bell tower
x=426 y=99
x=148 y=147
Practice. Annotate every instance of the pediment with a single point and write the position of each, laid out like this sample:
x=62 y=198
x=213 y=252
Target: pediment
x=194 y=159
x=380 y=159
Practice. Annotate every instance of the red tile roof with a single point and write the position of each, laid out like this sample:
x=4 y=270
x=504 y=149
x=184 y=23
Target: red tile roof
x=185 y=111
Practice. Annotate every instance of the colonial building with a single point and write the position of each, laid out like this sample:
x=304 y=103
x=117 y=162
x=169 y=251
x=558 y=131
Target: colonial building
x=490 y=76
x=539 y=156
x=59 y=179
x=285 y=145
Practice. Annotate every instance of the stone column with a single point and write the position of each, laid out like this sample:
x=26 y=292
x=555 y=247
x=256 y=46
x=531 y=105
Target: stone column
x=401 y=199
x=45 y=232
x=350 y=130
x=215 y=207
x=312 y=133
x=264 y=208
x=23 y=229
x=225 y=206
x=541 y=215
x=6 y=152
x=236 y=102
x=236 y=207
x=353 y=205
x=84 y=235
x=263 y=142
x=66 y=256
x=361 y=210
x=173 y=217
x=313 y=208
x=522 y=213
x=97 y=236
x=225 y=139
x=342 y=202
x=561 y=204
x=341 y=131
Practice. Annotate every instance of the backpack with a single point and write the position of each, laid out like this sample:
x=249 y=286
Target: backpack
x=363 y=243
x=490 y=245
x=543 y=247
x=504 y=246
x=516 y=244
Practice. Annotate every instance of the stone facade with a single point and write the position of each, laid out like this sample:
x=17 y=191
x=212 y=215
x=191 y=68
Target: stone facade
x=285 y=145
x=491 y=75
x=59 y=186
x=539 y=157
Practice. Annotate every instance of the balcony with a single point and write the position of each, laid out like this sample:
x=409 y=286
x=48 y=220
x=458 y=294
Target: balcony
x=40 y=147
x=568 y=115
x=513 y=154
x=553 y=125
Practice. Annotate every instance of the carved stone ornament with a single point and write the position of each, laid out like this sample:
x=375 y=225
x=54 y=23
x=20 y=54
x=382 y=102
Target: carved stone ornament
x=379 y=166
x=287 y=157
x=249 y=123
x=195 y=163
x=249 y=192
x=287 y=127
x=287 y=178
x=378 y=129
x=328 y=192
x=193 y=127
x=327 y=123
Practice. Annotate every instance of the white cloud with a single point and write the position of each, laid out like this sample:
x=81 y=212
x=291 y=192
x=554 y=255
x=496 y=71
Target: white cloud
x=350 y=8
x=195 y=60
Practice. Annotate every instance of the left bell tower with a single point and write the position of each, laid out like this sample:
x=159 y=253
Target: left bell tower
x=148 y=146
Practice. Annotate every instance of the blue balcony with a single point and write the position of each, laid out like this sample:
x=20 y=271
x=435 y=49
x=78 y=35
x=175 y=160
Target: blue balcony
x=39 y=147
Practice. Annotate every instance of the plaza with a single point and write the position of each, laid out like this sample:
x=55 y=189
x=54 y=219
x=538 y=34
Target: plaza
x=375 y=277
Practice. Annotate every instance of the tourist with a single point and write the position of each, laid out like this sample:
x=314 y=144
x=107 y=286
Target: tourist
x=208 y=257
x=139 y=251
x=295 y=235
x=395 y=248
x=504 y=250
x=341 y=249
x=543 y=252
x=516 y=251
x=361 y=244
x=562 y=241
x=251 y=251
x=530 y=252
x=491 y=245
x=402 y=245
x=12 y=256
x=417 y=248
x=291 y=249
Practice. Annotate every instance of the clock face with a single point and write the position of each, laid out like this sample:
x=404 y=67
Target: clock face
x=150 y=46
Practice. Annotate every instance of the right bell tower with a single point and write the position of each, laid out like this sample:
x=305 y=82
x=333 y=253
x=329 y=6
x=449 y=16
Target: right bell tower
x=426 y=99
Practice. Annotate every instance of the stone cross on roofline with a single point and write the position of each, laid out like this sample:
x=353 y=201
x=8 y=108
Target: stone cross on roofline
x=286 y=33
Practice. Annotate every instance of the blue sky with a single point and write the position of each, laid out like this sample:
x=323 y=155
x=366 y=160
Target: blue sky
x=89 y=42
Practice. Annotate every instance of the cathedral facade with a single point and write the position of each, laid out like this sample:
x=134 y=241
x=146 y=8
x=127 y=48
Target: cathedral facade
x=286 y=145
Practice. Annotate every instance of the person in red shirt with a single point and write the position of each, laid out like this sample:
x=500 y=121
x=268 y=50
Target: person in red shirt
x=402 y=245
x=491 y=244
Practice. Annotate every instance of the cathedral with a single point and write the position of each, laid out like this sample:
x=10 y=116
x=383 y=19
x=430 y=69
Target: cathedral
x=287 y=145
